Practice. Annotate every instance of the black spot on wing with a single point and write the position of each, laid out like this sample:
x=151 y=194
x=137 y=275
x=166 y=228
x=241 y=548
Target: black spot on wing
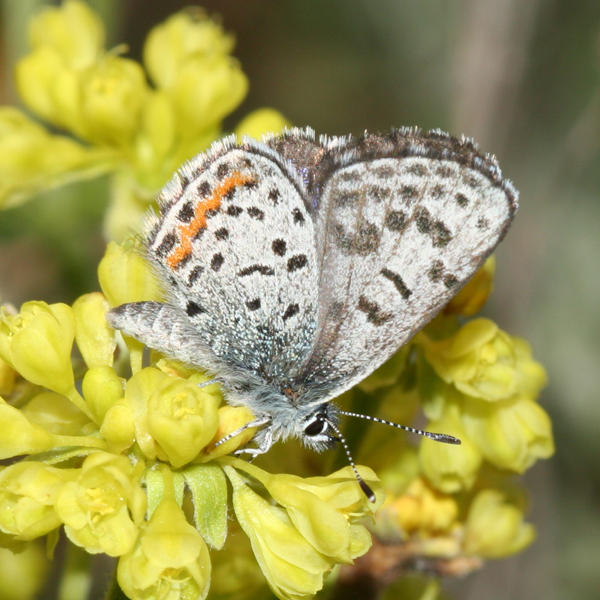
x=253 y=304
x=436 y=270
x=222 y=233
x=373 y=311
x=279 y=247
x=417 y=170
x=395 y=220
x=186 y=213
x=450 y=280
x=440 y=235
x=234 y=211
x=193 y=308
x=223 y=170
x=194 y=274
x=297 y=262
x=166 y=245
x=256 y=213
x=462 y=200
x=262 y=269
x=408 y=192
x=298 y=216
x=290 y=311
x=204 y=189
x=398 y=282
x=217 y=261
x=274 y=196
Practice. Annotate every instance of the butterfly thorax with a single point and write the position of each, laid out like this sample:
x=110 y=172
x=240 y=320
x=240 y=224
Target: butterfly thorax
x=292 y=412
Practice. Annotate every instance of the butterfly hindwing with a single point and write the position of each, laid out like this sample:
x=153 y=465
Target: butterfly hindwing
x=398 y=237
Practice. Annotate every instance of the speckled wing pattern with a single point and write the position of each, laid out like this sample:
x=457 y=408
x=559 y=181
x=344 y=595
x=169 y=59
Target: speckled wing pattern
x=307 y=262
x=235 y=245
x=402 y=222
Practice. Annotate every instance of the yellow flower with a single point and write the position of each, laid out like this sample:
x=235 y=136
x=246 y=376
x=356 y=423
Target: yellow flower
x=231 y=418
x=169 y=560
x=174 y=418
x=112 y=96
x=511 y=434
x=181 y=37
x=420 y=509
x=95 y=339
x=482 y=361
x=293 y=568
x=37 y=343
x=448 y=467
x=472 y=297
x=7 y=378
x=205 y=90
x=72 y=30
x=495 y=528
x=28 y=492
x=103 y=506
x=19 y=436
x=31 y=159
x=23 y=573
x=57 y=415
x=125 y=275
x=261 y=121
x=297 y=546
x=101 y=388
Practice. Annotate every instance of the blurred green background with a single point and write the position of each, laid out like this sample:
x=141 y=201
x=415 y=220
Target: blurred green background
x=520 y=76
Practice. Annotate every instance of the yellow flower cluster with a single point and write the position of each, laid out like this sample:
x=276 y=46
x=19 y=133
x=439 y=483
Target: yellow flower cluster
x=123 y=455
x=140 y=122
x=479 y=384
x=116 y=460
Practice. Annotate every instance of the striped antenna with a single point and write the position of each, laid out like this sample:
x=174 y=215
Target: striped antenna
x=438 y=437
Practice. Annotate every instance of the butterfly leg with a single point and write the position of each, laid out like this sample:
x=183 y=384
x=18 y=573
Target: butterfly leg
x=265 y=443
x=258 y=422
x=207 y=383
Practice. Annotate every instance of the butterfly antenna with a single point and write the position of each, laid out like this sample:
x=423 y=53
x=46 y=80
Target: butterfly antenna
x=438 y=437
x=369 y=493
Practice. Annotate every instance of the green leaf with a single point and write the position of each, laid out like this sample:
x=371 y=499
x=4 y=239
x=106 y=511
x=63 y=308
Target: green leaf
x=208 y=487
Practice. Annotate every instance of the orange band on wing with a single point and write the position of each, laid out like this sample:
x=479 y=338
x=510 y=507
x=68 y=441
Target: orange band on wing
x=189 y=230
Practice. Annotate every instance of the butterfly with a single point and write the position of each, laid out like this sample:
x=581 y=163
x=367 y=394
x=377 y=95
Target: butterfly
x=296 y=266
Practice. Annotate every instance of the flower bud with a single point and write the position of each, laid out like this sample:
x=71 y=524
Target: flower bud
x=101 y=388
x=113 y=93
x=174 y=418
x=484 y=362
x=28 y=491
x=169 y=560
x=260 y=122
x=37 y=343
x=95 y=339
x=473 y=296
x=73 y=30
x=205 y=90
x=292 y=566
x=495 y=528
x=182 y=36
x=125 y=275
x=450 y=468
x=511 y=434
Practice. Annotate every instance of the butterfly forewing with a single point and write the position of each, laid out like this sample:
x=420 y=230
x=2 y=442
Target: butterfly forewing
x=235 y=243
x=398 y=237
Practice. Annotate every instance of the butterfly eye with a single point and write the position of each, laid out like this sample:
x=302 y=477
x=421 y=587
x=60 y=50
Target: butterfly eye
x=316 y=427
